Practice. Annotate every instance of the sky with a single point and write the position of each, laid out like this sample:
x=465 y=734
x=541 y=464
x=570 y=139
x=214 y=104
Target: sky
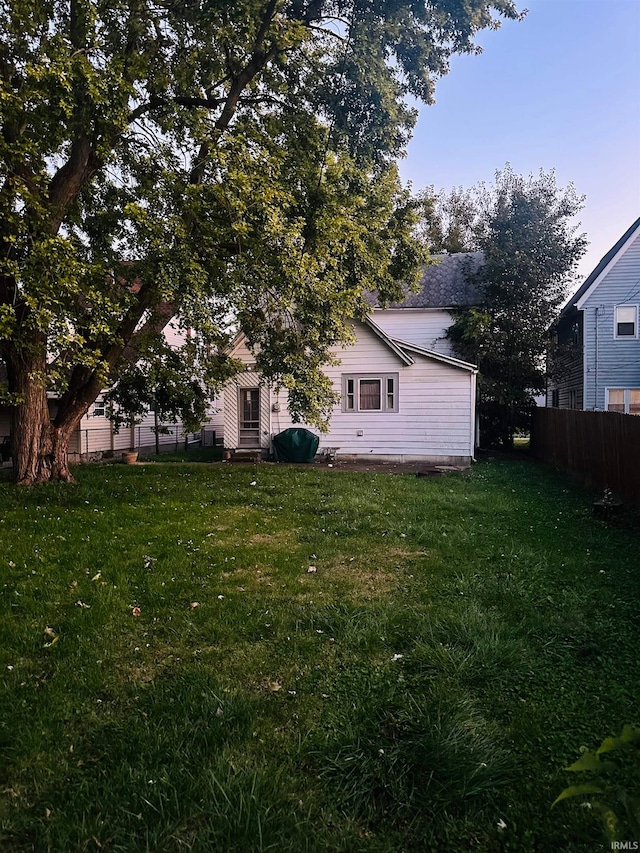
x=559 y=90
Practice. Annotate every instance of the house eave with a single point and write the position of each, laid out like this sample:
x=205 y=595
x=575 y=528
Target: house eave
x=437 y=356
x=601 y=270
x=390 y=342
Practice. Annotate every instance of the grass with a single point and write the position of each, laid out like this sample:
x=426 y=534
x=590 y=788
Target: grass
x=460 y=639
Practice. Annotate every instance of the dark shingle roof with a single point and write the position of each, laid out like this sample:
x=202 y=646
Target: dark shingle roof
x=444 y=283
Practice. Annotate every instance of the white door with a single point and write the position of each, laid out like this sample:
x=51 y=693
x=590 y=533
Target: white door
x=249 y=417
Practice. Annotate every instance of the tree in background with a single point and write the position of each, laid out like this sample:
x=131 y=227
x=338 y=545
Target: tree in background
x=523 y=226
x=222 y=159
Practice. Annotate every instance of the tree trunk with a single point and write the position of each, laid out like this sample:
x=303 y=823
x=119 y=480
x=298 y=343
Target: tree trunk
x=40 y=447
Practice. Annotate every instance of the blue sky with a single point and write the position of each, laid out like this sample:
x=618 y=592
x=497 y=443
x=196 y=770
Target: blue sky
x=559 y=90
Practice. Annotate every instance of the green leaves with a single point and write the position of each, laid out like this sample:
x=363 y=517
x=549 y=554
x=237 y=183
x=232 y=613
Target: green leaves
x=630 y=737
x=577 y=790
x=523 y=226
x=615 y=782
x=225 y=163
x=587 y=761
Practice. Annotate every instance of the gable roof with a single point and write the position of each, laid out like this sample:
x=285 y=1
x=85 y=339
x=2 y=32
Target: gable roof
x=444 y=283
x=384 y=337
x=604 y=262
x=437 y=356
x=368 y=322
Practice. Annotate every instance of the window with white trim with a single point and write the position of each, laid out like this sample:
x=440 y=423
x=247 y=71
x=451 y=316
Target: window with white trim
x=625 y=400
x=98 y=408
x=369 y=392
x=626 y=321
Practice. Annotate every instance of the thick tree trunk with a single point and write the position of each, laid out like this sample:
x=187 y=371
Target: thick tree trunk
x=40 y=447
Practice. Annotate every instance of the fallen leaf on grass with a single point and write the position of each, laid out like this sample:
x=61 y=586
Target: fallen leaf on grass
x=274 y=686
x=194 y=605
x=136 y=611
x=311 y=570
x=82 y=604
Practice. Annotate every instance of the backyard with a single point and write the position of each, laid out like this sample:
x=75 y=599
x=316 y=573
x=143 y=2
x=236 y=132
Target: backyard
x=216 y=657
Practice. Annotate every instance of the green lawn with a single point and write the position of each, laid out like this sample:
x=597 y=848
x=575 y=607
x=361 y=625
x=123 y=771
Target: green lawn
x=459 y=641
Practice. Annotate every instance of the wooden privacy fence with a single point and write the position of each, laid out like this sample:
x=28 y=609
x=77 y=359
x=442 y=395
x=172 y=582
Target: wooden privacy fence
x=601 y=448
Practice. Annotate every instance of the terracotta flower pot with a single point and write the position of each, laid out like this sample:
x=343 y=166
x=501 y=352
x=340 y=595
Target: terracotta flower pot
x=130 y=458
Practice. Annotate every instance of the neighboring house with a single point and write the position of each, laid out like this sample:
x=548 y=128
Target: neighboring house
x=595 y=361
x=403 y=394
x=95 y=435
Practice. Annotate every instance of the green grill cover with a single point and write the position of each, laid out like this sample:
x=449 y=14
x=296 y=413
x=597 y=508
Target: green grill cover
x=295 y=445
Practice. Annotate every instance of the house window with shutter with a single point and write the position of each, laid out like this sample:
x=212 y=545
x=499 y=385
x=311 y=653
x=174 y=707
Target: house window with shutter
x=626 y=321
x=370 y=392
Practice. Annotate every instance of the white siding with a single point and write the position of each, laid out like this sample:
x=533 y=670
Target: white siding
x=173 y=335
x=248 y=379
x=424 y=327
x=96 y=435
x=435 y=417
x=215 y=418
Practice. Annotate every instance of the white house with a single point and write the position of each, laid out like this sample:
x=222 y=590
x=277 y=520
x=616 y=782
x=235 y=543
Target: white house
x=403 y=394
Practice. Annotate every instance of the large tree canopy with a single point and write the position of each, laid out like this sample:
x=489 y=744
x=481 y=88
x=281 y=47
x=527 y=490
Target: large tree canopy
x=205 y=159
x=524 y=226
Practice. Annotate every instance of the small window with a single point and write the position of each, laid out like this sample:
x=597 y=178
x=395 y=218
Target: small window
x=350 y=397
x=391 y=394
x=370 y=393
x=98 y=408
x=575 y=334
x=615 y=403
x=573 y=399
x=634 y=401
x=625 y=321
x=555 y=398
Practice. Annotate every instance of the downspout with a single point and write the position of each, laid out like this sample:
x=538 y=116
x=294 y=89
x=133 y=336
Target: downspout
x=475 y=424
x=595 y=372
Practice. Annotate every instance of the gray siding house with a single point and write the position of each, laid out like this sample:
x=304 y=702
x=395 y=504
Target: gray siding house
x=596 y=353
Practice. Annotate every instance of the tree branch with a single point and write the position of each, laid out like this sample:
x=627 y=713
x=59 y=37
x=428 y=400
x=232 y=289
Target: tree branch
x=81 y=166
